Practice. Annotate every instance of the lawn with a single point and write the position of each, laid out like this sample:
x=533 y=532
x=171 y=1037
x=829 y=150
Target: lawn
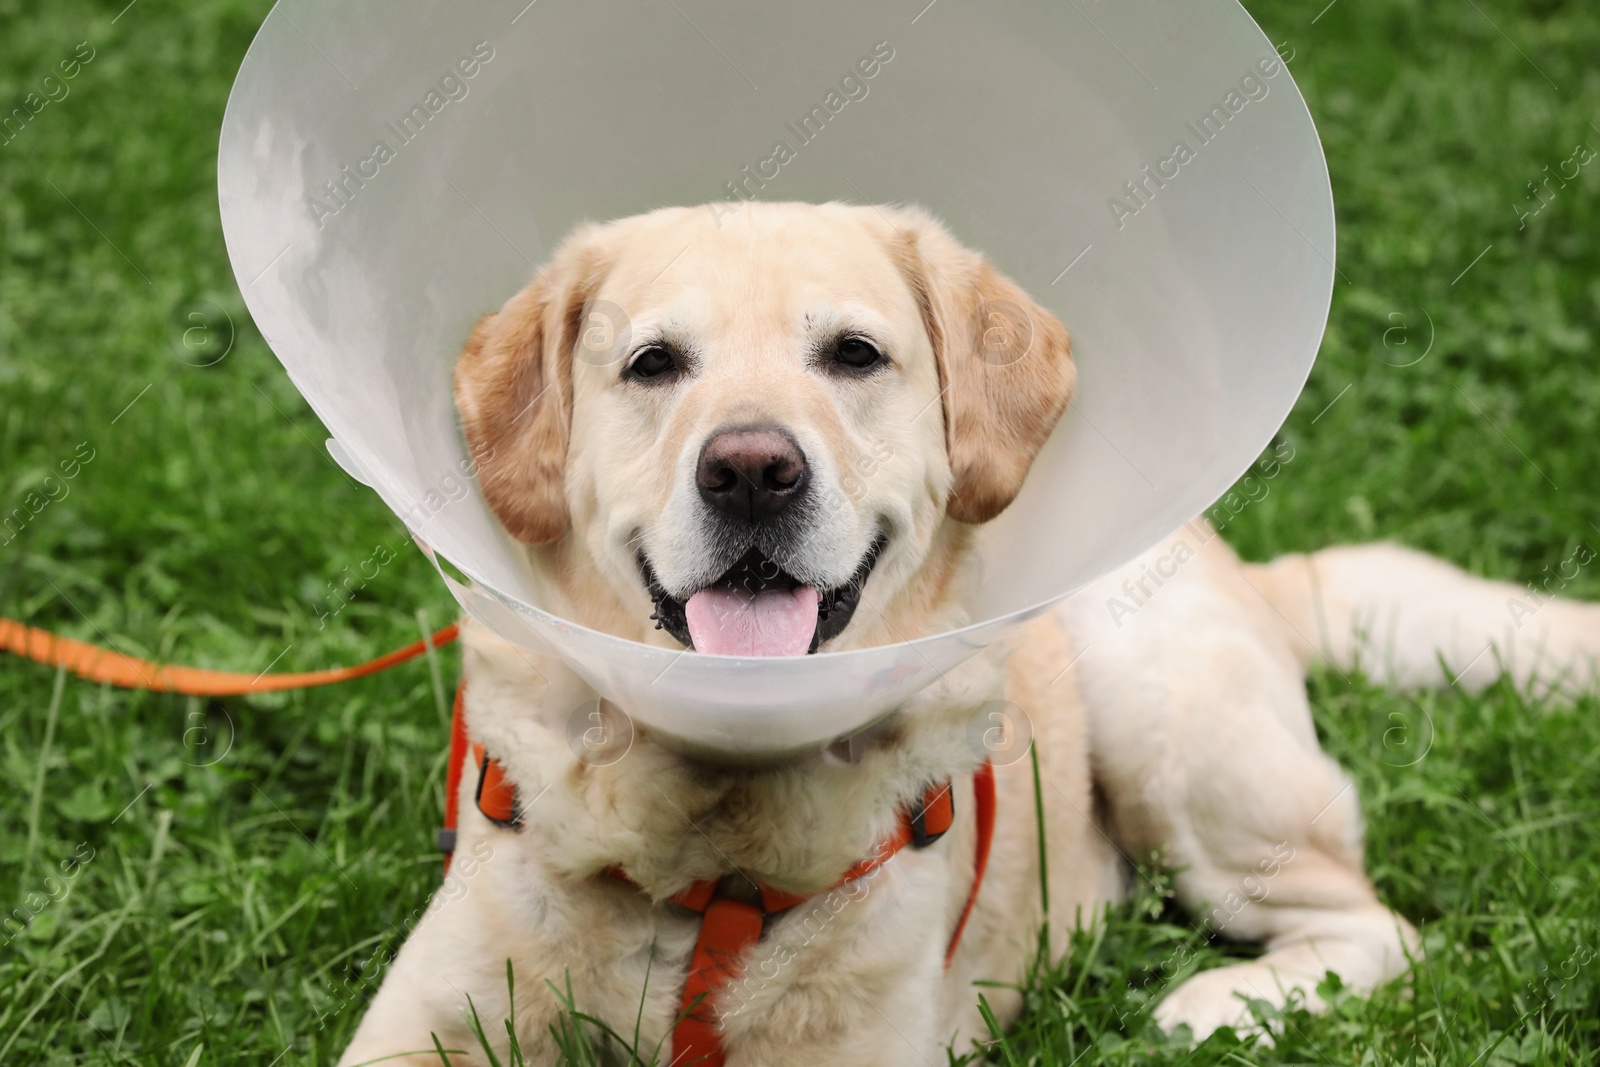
x=207 y=875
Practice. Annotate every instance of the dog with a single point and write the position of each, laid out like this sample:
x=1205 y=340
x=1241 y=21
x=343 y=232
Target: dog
x=676 y=479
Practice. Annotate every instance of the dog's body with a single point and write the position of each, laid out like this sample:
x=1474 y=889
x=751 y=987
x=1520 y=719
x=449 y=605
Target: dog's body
x=1183 y=730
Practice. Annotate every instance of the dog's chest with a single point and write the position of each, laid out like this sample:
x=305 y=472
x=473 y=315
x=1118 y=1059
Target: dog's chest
x=607 y=952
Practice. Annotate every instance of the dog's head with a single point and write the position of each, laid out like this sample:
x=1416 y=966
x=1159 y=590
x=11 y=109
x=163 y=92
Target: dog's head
x=762 y=438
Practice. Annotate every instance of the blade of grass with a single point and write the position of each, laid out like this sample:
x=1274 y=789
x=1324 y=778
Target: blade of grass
x=36 y=800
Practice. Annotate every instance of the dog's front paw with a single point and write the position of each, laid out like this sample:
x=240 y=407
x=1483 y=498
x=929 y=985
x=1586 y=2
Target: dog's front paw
x=1213 y=999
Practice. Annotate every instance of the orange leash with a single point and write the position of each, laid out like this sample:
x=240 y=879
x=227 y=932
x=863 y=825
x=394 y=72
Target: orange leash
x=126 y=672
x=96 y=664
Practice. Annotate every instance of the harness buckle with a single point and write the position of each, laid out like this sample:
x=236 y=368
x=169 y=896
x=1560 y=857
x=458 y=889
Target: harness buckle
x=932 y=818
x=497 y=796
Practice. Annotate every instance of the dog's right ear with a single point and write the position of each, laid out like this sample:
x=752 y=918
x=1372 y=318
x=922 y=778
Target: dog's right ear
x=514 y=393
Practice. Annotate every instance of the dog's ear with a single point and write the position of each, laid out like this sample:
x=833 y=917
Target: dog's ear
x=1005 y=364
x=514 y=393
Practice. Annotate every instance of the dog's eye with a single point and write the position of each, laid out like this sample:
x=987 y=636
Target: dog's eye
x=652 y=362
x=856 y=353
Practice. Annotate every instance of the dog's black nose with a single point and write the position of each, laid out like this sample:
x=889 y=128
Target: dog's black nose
x=751 y=474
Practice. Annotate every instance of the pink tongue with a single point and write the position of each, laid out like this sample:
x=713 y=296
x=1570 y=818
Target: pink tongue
x=735 y=622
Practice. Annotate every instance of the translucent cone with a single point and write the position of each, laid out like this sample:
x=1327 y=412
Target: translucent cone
x=1148 y=171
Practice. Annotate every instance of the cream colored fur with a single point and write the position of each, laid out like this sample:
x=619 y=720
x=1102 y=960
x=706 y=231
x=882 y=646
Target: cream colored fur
x=1181 y=731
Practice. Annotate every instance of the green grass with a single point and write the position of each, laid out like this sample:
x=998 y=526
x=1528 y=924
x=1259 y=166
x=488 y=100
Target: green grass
x=235 y=863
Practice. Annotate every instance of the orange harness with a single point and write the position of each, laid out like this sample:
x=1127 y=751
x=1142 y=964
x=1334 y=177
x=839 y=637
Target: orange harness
x=727 y=927
x=730 y=926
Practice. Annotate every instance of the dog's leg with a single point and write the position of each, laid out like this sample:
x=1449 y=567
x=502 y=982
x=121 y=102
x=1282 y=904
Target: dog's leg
x=1411 y=620
x=1204 y=746
x=423 y=997
x=451 y=952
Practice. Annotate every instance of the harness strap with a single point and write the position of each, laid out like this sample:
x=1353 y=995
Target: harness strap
x=452 y=776
x=727 y=928
x=495 y=796
x=984 y=808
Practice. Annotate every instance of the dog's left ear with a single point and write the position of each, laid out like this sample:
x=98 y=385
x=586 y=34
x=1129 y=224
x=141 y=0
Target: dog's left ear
x=1005 y=364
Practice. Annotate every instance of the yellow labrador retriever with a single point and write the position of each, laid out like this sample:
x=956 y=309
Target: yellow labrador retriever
x=693 y=477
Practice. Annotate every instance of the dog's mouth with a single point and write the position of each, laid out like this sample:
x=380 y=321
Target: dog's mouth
x=758 y=609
